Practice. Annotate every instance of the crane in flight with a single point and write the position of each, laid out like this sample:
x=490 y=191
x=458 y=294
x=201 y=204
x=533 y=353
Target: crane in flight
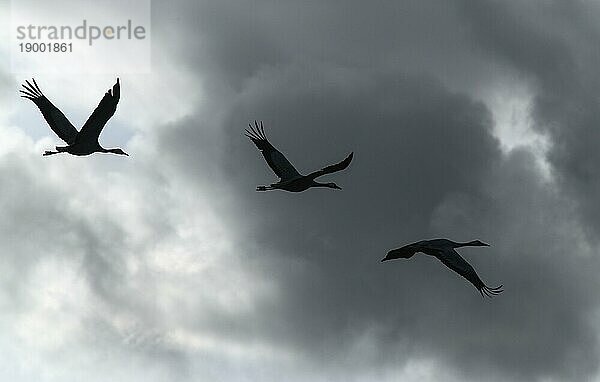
x=444 y=250
x=85 y=141
x=289 y=178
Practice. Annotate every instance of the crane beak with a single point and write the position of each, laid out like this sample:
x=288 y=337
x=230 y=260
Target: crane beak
x=337 y=187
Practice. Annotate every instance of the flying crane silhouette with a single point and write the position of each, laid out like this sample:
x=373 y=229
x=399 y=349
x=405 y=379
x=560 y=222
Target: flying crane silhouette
x=85 y=141
x=289 y=178
x=443 y=249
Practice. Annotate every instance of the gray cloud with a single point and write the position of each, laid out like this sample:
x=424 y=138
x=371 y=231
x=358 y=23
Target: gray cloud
x=426 y=165
x=557 y=51
x=188 y=273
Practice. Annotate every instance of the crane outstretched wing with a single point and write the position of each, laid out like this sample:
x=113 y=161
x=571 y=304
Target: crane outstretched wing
x=454 y=261
x=275 y=159
x=53 y=116
x=332 y=168
x=104 y=111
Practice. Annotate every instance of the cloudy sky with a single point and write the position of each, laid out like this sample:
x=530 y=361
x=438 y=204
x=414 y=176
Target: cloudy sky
x=469 y=120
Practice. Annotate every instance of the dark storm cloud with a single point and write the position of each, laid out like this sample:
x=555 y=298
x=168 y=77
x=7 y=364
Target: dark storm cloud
x=555 y=45
x=229 y=42
x=390 y=81
x=421 y=153
x=426 y=165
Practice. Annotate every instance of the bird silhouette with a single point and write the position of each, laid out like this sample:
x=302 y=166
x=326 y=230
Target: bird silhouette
x=84 y=142
x=289 y=178
x=444 y=250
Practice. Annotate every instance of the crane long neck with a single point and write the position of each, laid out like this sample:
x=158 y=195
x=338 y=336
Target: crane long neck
x=472 y=243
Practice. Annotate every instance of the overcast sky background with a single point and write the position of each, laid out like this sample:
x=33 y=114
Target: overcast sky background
x=469 y=120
